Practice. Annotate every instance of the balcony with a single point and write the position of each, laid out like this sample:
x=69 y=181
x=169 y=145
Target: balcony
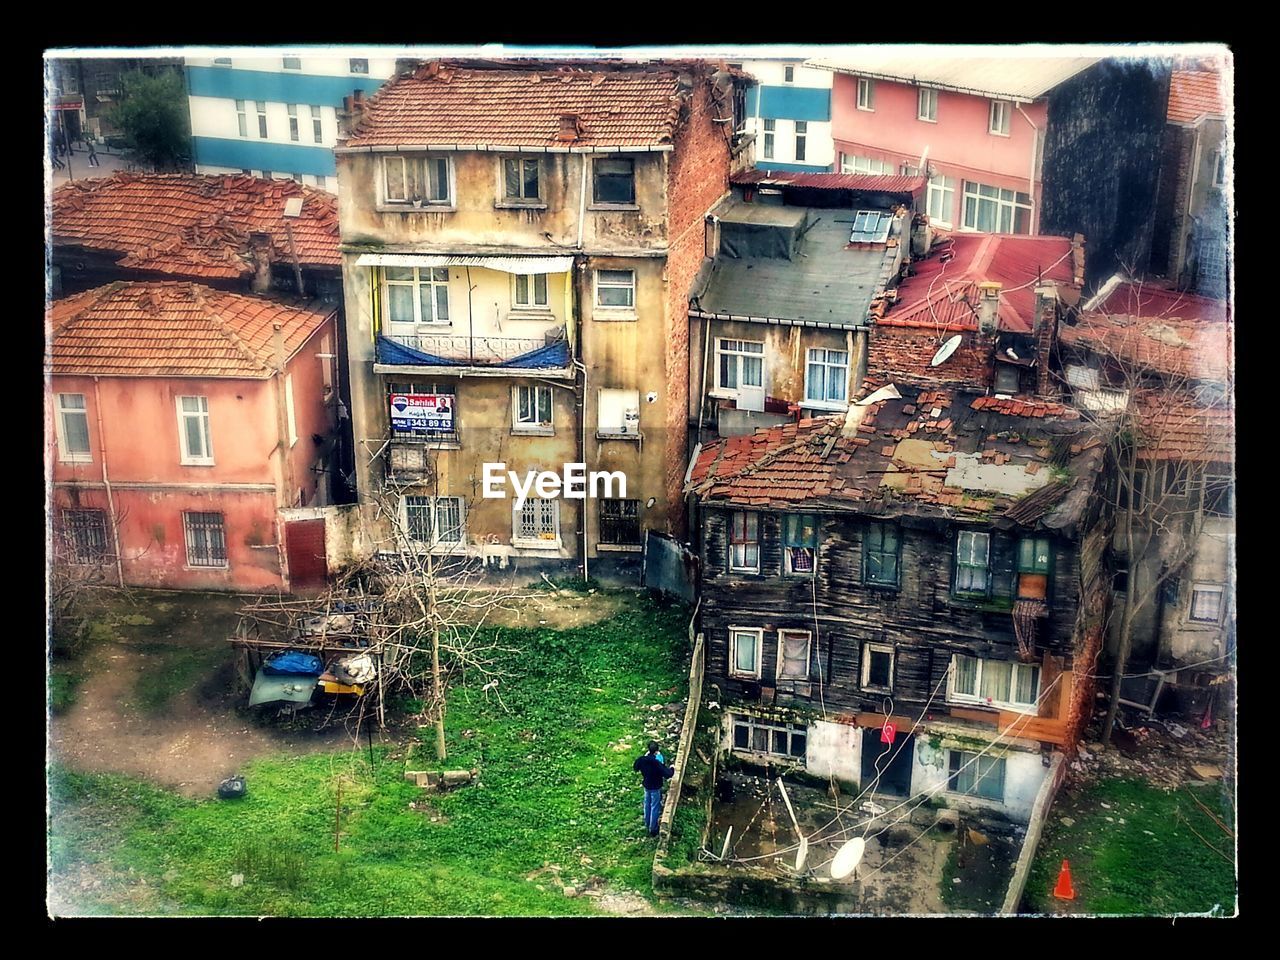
x=550 y=352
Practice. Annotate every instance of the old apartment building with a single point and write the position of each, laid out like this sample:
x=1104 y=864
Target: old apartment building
x=519 y=240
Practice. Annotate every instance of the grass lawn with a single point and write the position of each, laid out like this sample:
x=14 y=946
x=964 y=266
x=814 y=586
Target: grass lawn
x=1132 y=851
x=552 y=790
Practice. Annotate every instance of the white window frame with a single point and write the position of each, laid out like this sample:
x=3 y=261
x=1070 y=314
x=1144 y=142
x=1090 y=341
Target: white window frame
x=65 y=453
x=428 y=162
x=946 y=197
x=802 y=133
x=599 y=282
x=824 y=361
x=769 y=131
x=998 y=118
x=536 y=504
x=855 y=163
x=618 y=429
x=866 y=94
x=742 y=567
x=986 y=566
x=808 y=653
x=536 y=427
x=416 y=283
x=1003 y=204
x=927 y=105
x=242 y=118
x=758 y=633
x=722 y=350
x=351 y=65
x=260 y=106
x=317 y=125
x=433 y=505
x=1206 y=588
x=531 y=301
x=188 y=458
x=295 y=131
x=867 y=650
x=1030 y=707
x=288 y=406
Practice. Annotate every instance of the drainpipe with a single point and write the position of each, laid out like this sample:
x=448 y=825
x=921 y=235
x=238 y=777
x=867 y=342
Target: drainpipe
x=106 y=482
x=582 y=340
x=1035 y=142
x=582 y=201
x=285 y=497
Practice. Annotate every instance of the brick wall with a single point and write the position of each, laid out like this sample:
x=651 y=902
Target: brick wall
x=698 y=176
x=1176 y=159
x=901 y=355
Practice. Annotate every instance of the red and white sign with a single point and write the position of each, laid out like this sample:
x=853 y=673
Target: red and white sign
x=422 y=412
x=887 y=733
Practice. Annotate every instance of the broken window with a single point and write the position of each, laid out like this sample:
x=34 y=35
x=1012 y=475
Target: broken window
x=975 y=775
x=415 y=181
x=880 y=547
x=616 y=288
x=827 y=376
x=206 y=539
x=538 y=520
x=994 y=683
x=620 y=521
x=531 y=408
x=744 y=541
x=193 y=431
x=744 y=651
x=1035 y=561
x=1206 y=603
x=614 y=181
x=432 y=520
x=800 y=542
x=531 y=291
x=73 y=429
x=521 y=180
x=972 y=553
x=85 y=533
x=415 y=295
x=793 y=654
x=877 y=667
x=781 y=740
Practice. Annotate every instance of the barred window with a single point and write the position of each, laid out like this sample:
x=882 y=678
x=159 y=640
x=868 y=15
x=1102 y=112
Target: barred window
x=433 y=520
x=538 y=519
x=619 y=521
x=85 y=532
x=206 y=539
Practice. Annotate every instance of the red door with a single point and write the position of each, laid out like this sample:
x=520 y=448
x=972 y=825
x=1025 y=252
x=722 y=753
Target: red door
x=304 y=544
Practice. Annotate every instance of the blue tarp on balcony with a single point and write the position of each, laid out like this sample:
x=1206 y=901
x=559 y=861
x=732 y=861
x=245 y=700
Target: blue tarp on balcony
x=554 y=356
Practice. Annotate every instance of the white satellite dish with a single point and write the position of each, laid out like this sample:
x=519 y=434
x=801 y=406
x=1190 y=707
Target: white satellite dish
x=946 y=350
x=847 y=858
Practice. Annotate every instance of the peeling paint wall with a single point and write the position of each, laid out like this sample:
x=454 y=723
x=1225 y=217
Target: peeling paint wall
x=1023 y=774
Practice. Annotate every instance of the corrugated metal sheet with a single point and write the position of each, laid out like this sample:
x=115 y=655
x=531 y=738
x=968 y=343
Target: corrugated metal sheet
x=519 y=265
x=830 y=181
x=1014 y=76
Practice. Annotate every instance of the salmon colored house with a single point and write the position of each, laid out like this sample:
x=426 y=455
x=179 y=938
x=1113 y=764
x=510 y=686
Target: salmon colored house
x=182 y=420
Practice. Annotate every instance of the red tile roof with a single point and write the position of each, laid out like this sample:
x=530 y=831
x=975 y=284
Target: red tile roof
x=942 y=291
x=1194 y=94
x=1185 y=430
x=829 y=181
x=617 y=105
x=176 y=329
x=187 y=225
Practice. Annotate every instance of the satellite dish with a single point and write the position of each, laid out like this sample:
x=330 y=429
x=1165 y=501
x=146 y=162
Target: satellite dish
x=847 y=858
x=946 y=350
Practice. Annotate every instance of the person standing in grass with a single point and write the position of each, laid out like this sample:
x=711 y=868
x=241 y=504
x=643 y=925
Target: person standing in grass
x=653 y=771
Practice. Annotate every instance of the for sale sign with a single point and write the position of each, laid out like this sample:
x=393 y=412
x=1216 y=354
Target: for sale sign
x=422 y=413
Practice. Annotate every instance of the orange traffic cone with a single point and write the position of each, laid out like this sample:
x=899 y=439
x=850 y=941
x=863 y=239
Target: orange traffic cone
x=1064 y=890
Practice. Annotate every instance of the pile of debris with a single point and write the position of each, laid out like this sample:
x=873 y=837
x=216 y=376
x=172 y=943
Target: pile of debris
x=1165 y=753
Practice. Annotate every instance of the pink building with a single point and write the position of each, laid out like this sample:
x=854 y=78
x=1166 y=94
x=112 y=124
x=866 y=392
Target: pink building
x=184 y=419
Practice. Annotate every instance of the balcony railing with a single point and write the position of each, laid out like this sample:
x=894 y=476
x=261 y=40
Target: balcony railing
x=473 y=350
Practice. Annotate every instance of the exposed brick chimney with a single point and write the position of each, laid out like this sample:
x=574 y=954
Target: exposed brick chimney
x=1046 y=332
x=260 y=251
x=570 y=128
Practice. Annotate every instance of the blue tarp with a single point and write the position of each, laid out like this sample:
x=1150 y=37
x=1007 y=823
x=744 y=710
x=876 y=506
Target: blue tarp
x=554 y=356
x=292 y=663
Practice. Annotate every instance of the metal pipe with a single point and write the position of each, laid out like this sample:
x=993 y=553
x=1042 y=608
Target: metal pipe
x=582 y=201
x=1035 y=142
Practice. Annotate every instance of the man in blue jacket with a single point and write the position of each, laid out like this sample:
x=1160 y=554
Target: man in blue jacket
x=653 y=770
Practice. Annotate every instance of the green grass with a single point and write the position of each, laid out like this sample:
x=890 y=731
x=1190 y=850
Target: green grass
x=63 y=681
x=552 y=790
x=1151 y=863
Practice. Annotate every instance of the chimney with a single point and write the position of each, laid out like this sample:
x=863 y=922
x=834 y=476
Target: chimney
x=1046 y=332
x=260 y=252
x=346 y=115
x=921 y=236
x=570 y=128
x=989 y=307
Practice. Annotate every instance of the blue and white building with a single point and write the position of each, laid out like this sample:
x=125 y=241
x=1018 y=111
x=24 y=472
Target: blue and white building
x=789 y=111
x=275 y=116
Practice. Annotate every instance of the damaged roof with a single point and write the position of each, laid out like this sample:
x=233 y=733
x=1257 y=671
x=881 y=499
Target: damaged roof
x=192 y=225
x=932 y=453
x=866 y=182
x=176 y=329
x=942 y=290
x=1196 y=94
x=521 y=104
x=1179 y=428
x=1017 y=74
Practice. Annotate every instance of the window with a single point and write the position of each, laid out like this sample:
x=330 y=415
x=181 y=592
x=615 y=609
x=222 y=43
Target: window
x=432 y=520
x=788 y=74
x=242 y=118
x=292 y=108
x=976 y=775
x=770 y=128
x=1134 y=497
x=744 y=541
x=73 y=429
x=1219 y=168
x=995 y=683
x=616 y=288
x=262 y=119
x=927 y=105
x=1218 y=492
x=206 y=539
x=993 y=210
x=1035 y=563
x=620 y=521
x=802 y=130
x=1206 y=603
x=531 y=291
x=267 y=175
x=1008 y=379
x=296 y=177
x=780 y=740
x=85 y=533
x=414 y=181
x=827 y=377
x=358 y=65
x=416 y=295
x=288 y=406
x=880 y=551
x=538 y=521
x=745 y=651
x=520 y=177
x=614 y=181
x=531 y=409
x=292 y=63
x=793 y=654
x=877 y=667
x=972 y=554
x=866 y=94
x=739 y=363
x=909 y=170
x=999 y=121
x=618 y=413
x=317 y=126
x=800 y=542
x=942 y=200
x=1120 y=576
x=222 y=61
x=193 y=431
x=851 y=163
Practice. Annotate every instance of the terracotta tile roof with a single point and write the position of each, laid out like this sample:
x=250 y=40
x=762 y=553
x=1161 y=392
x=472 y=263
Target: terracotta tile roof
x=942 y=290
x=932 y=452
x=617 y=105
x=1194 y=94
x=1184 y=430
x=194 y=226
x=829 y=181
x=175 y=329
x=1024 y=407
